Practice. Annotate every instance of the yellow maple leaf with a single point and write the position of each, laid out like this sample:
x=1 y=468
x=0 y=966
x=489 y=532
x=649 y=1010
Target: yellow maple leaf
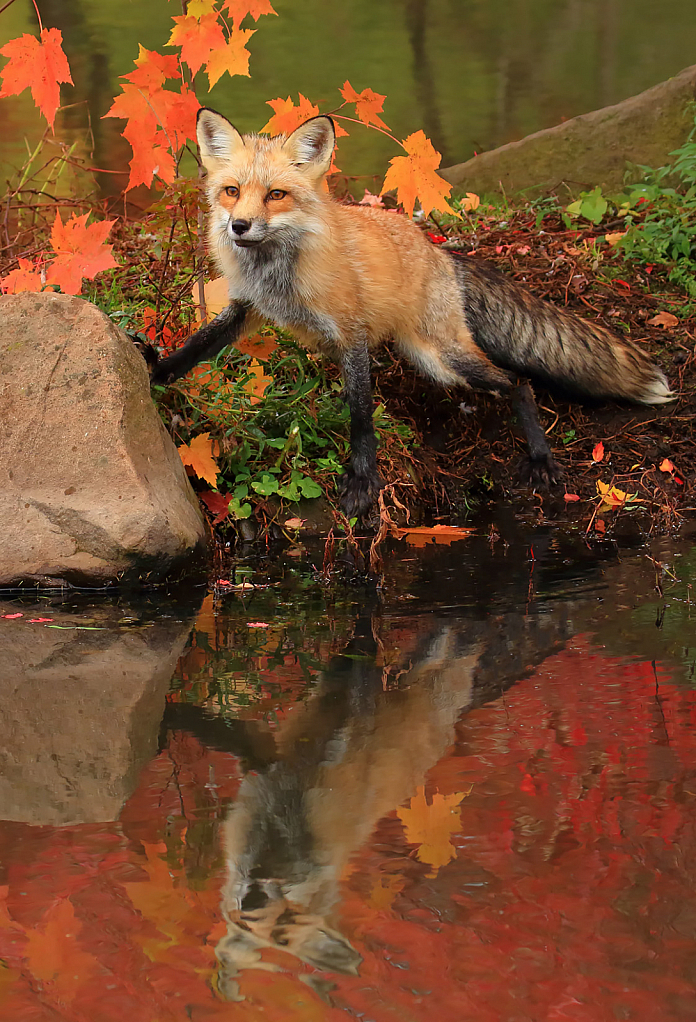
x=415 y=177
x=198 y=455
x=613 y=498
x=198 y=8
x=256 y=385
x=471 y=201
x=431 y=825
x=217 y=297
x=233 y=57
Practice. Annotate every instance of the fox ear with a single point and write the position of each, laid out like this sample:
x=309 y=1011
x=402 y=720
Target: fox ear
x=310 y=146
x=217 y=138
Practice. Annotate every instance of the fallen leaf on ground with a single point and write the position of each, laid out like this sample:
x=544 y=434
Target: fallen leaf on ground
x=198 y=455
x=598 y=451
x=665 y=320
x=472 y=201
x=613 y=498
x=217 y=503
x=256 y=385
x=294 y=523
x=217 y=297
x=569 y=497
x=257 y=346
x=667 y=466
x=612 y=239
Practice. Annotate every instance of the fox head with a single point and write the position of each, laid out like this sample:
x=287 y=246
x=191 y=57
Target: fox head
x=264 y=189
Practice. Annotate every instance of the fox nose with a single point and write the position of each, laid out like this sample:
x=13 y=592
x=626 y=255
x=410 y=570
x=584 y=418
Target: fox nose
x=240 y=226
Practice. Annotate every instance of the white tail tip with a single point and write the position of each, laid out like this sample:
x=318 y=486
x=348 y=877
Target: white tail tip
x=657 y=392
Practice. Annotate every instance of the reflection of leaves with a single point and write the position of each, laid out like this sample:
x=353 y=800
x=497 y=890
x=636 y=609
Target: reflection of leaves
x=431 y=825
x=420 y=536
x=54 y=955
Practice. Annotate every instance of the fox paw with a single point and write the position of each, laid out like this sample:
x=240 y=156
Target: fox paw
x=359 y=492
x=543 y=471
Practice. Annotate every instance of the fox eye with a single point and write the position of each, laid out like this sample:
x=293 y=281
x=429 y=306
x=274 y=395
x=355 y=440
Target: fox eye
x=277 y=193
x=232 y=191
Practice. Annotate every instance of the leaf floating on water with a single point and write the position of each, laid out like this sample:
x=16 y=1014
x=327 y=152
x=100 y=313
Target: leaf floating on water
x=419 y=536
x=430 y=825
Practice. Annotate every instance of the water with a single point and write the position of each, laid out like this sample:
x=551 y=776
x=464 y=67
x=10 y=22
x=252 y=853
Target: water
x=468 y=795
x=473 y=74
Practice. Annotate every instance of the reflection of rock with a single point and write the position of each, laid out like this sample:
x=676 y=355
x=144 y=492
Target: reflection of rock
x=588 y=150
x=81 y=710
x=91 y=486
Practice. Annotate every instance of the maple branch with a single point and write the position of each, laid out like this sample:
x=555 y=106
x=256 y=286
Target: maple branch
x=356 y=120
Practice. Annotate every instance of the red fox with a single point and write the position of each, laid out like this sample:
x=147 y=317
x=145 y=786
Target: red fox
x=345 y=279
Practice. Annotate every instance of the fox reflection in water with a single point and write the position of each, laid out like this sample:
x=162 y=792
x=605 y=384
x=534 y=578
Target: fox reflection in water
x=346 y=757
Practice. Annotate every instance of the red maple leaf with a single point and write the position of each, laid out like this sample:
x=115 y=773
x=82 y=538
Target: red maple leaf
x=158 y=123
x=39 y=65
x=152 y=69
x=81 y=252
x=26 y=278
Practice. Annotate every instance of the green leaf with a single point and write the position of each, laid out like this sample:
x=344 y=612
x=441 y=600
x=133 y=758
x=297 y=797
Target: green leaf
x=309 y=488
x=266 y=485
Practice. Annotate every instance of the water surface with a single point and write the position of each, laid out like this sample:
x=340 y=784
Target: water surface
x=466 y=794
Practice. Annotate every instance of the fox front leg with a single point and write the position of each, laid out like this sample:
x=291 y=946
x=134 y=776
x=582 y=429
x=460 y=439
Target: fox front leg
x=544 y=470
x=362 y=482
x=205 y=344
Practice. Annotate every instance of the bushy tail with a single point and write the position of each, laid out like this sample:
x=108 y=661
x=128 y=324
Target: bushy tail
x=519 y=331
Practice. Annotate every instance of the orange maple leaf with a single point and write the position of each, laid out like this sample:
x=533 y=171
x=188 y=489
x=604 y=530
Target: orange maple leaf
x=39 y=65
x=80 y=250
x=26 y=278
x=258 y=346
x=197 y=38
x=598 y=452
x=198 y=455
x=238 y=9
x=368 y=104
x=232 y=57
x=430 y=825
x=414 y=177
x=286 y=116
x=158 y=122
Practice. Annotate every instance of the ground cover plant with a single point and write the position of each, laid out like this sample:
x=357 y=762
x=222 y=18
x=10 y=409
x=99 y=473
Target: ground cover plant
x=264 y=429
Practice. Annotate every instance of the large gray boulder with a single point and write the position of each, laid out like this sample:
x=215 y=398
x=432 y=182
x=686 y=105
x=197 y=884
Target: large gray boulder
x=92 y=489
x=588 y=150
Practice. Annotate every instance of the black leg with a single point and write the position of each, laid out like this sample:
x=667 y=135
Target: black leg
x=204 y=344
x=362 y=482
x=543 y=469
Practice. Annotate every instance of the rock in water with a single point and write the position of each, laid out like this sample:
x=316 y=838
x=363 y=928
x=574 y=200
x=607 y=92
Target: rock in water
x=92 y=489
